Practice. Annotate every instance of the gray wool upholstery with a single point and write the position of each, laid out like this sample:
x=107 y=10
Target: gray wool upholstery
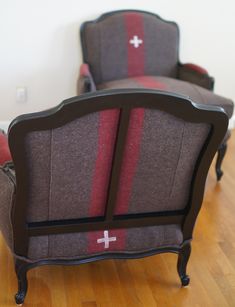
x=74 y=245
x=63 y=165
x=114 y=61
x=193 y=76
x=107 y=41
x=7 y=197
x=194 y=92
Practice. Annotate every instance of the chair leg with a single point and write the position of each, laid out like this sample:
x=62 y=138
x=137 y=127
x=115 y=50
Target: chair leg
x=221 y=153
x=183 y=258
x=21 y=268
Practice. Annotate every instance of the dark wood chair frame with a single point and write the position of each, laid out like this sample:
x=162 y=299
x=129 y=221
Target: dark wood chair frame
x=76 y=107
x=211 y=81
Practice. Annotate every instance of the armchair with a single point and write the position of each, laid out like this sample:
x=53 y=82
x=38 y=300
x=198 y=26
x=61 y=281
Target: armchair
x=113 y=174
x=136 y=49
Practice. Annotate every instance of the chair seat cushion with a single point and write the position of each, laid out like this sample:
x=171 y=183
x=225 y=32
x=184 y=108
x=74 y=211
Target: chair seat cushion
x=80 y=245
x=194 y=92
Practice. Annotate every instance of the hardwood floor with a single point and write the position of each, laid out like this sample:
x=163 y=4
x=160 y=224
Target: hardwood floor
x=150 y=281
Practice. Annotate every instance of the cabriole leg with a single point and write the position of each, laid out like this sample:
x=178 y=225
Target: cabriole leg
x=220 y=156
x=21 y=273
x=183 y=258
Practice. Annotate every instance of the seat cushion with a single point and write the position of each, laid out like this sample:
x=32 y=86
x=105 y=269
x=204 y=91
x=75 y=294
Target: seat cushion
x=194 y=92
x=80 y=245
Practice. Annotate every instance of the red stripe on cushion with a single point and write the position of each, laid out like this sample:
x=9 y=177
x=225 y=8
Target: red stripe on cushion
x=135 y=27
x=5 y=154
x=149 y=82
x=130 y=159
x=197 y=68
x=131 y=156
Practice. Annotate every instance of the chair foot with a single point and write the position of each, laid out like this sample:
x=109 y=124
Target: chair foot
x=183 y=258
x=19 y=298
x=221 y=153
x=185 y=280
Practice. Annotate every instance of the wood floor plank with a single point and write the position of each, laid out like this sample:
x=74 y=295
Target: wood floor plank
x=151 y=281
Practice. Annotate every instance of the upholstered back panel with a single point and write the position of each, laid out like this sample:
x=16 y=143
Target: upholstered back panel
x=130 y=43
x=70 y=166
x=160 y=156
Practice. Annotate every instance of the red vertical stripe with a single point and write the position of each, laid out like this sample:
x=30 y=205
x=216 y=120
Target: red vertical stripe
x=135 y=56
x=134 y=27
x=106 y=137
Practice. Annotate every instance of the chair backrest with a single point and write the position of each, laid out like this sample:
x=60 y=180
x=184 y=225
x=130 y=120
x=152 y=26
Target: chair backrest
x=113 y=159
x=130 y=43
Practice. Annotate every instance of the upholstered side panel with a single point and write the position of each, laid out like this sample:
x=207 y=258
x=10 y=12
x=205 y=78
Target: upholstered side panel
x=69 y=168
x=38 y=157
x=127 y=44
x=164 y=151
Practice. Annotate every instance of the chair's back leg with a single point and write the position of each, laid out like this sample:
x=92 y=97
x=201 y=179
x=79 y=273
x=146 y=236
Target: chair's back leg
x=21 y=268
x=183 y=258
x=221 y=153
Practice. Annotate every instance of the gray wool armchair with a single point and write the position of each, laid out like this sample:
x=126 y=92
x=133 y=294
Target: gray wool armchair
x=137 y=49
x=112 y=174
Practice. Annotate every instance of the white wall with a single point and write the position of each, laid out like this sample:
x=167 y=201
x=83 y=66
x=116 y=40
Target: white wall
x=40 y=46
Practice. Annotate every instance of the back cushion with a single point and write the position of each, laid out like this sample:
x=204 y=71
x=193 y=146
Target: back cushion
x=70 y=166
x=127 y=44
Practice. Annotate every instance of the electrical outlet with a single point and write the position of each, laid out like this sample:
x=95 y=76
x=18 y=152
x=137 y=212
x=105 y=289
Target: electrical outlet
x=21 y=94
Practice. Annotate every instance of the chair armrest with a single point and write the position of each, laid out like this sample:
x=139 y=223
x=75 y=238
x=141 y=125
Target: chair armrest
x=195 y=74
x=7 y=200
x=5 y=154
x=85 y=81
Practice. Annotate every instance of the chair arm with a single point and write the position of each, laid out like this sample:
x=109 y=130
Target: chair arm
x=195 y=74
x=5 y=154
x=85 y=81
x=7 y=200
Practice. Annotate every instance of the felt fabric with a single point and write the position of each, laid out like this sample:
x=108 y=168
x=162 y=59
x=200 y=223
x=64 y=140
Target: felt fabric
x=77 y=245
x=195 y=93
x=195 y=74
x=112 y=55
x=69 y=169
x=5 y=154
x=7 y=198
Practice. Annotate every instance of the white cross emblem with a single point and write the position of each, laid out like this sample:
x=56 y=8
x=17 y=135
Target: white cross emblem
x=106 y=239
x=135 y=41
